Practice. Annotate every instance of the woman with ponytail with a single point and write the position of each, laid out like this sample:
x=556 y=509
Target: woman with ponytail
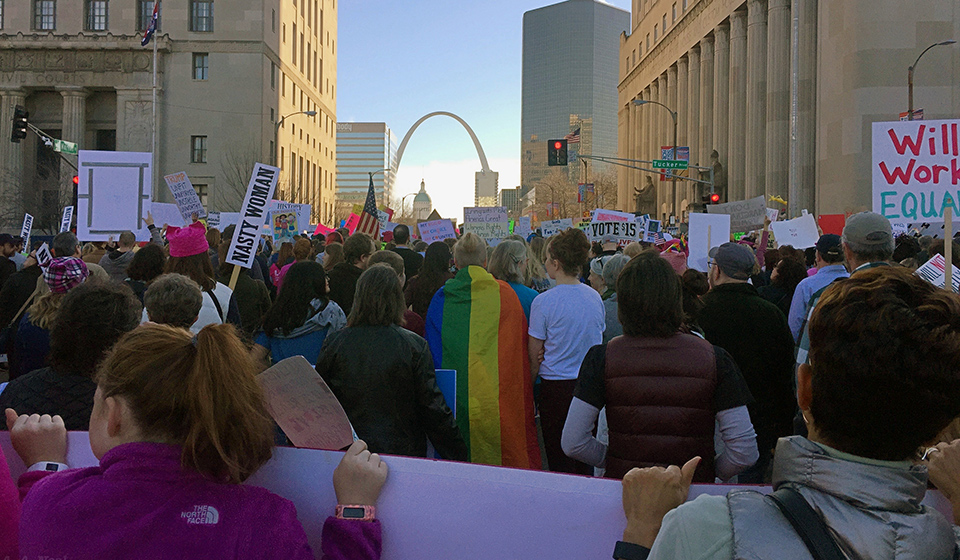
x=178 y=423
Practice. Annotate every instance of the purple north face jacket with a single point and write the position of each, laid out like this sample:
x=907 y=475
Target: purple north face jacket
x=140 y=503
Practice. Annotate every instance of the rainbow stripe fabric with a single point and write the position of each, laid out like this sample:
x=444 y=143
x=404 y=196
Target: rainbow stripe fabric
x=476 y=326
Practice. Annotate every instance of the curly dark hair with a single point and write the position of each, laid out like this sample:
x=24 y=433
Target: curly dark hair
x=571 y=248
x=147 y=263
x=304 y=282
x=92 y=317
x=885 y=361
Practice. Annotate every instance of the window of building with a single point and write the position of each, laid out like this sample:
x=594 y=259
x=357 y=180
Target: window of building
x=664 y=24
x=302 y=61
x=294 y=46
x=201 y=16
x=203 y=192
x=145 y=14
x=674 y=12
x=283 y=84
x=309 y=62
x=96 y=15
x=684 y=5
x=201 y=64
x=626 y=64
x=273 y=75
x=634 y=56
x=316 y=14
x=1 y=14
x=273 y=21
x=309 y=11
x=44 y=15
x=283 y=35
x=656 y=33
x=648 y=42
x=198 y=149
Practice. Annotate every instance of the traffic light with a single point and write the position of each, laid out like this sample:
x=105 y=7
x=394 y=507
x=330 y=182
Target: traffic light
x=19 y=124
x=714 y=198
x=76 y=180
x=557 y=152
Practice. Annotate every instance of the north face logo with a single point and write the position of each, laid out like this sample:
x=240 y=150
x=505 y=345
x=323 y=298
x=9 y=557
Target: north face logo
x=201 y=515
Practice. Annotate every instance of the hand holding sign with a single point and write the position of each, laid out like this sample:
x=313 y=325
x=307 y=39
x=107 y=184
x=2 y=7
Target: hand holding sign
x=360 y=476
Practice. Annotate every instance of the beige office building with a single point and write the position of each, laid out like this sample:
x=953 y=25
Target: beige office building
x=227 y=73
x=785 y=91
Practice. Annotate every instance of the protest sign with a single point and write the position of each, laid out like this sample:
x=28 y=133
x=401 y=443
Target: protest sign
x=66 y=219
x=113 y=194
x=916 y=169
x=523 y=227
x=745 y=215
x=243 y=247
x=800 y=233
x=304 y=406
x=706 y=231
x=389 y=226
x=222 y=220
x=934 y=271
x=899 y=227
x=323 y=230
x=185 y=196
x=601 y=215
x=485 y=214
x=283 y=225
x=832 y=223
x=165 y=213
x=352 y=222
x=624 y=232
x=302 y=210
x=25 y=229
x=553 y=227
x=440 y=509
x=488 y=230
x=773 y=214
x=436 y=230
x=652 y=232
x=44 y=255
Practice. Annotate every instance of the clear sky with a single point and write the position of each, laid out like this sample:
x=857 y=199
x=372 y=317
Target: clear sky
x=399 y=60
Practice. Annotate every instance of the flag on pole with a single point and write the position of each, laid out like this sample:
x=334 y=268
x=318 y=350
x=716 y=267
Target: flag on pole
x=590 y=189
x=152 y=28
x=573 y=137
x=369 y=218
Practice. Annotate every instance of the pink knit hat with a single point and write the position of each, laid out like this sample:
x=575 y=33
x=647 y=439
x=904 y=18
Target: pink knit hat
x=188 y=241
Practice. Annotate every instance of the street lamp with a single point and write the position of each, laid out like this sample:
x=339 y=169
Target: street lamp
x=673 y=114
x=910 y=75
x=402 y=207
x=276 y=133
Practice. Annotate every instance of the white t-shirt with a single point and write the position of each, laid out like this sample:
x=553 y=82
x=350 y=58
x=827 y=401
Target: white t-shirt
x=570 y=320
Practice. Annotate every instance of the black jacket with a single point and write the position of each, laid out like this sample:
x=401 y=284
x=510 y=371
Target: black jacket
x=343 y=282
x=45 y=391
x=755 y=332
x=384 y=379
x=412 y=261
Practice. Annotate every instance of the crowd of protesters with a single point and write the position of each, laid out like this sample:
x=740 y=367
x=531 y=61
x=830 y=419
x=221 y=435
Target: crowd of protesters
x=832 y=373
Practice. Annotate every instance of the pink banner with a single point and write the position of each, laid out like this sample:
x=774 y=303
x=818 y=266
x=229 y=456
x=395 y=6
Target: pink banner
x=323 y=230
x=440 y=509
x=352 y=222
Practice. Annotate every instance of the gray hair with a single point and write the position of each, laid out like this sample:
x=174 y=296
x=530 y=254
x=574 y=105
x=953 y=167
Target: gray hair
x=612 y=268
x=173 y=299
x=508 y=262
x=871 y=253
x=64 y=244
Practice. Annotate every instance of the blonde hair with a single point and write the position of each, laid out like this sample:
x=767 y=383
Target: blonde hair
x=509 y=262
x=44 y=310
x=200 y=393
x=633 y=249
x=471 y=249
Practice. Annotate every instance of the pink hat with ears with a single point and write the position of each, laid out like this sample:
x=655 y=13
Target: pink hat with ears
x=188 y=241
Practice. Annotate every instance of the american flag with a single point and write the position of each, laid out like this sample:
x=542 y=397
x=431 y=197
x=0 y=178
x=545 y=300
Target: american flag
x=152 y=28
x=573 y=137
x=369 y=218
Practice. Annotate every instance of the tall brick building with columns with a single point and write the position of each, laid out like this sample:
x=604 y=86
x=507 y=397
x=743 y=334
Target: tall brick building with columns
x=734 y=70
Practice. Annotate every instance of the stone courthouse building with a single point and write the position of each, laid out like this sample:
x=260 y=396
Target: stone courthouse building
x=738 y=72
x=228 y=71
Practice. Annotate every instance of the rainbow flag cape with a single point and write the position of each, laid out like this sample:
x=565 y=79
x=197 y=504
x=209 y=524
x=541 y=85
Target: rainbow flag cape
x=475 y=325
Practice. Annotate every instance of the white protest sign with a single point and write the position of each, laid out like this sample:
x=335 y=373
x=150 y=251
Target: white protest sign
x=166 y=213
x=601 y=215
x=185 y=196
x=66 y=219
x=113 y=194
x=553 y=227
x=488 y=230
x=745 y=215
x=916 y=169
x=243 y=247
x=653 y=232
x=706 y=231
x=934 y=271
x=522 y=227
x=44 y=255
x=222 y=220
x=800 y=233
x=302 y=210
x=773 y=214
x=624 y=232
x=899 y=227
x=485 y=214
x=26 y=228
x=437 y=230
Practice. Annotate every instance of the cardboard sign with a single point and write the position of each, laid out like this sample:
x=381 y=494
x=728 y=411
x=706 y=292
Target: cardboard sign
x=832 y=223
x=44 y=255
x=439 y=509
x=553 y=227
x=304 y=406
x=243 y=247
x=26 y=228
x=113 y=194
x=916 y=169
x=302 y=210
x=186 y=197
x=624 y=232
x=934 y=271
x=745 y=215
x=437 y=230
x=488 y=230
x=601 y=215
x=706 y=231
x=284 y=225
x=485 y=214
x=66 y=219
x=800 y=232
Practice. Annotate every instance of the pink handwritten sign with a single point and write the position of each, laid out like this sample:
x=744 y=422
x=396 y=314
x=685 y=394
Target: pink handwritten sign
x=352 y=222
x=304 y=406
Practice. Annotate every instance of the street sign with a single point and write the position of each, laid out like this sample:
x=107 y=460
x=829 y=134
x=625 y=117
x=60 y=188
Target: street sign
x=670 y=164
x=917 y=115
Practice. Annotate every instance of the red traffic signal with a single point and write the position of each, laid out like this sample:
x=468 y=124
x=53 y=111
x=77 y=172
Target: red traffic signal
x=557 y=152
x=557 y=145
x=76 y=180
x=714 y=198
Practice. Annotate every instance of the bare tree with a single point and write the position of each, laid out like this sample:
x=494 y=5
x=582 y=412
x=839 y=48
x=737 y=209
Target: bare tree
x=236 y=166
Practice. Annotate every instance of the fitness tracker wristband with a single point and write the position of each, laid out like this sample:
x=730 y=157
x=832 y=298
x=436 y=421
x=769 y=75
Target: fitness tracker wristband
x=360 y=513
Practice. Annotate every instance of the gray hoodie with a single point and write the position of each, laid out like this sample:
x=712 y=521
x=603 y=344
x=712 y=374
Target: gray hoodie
x=331 y=316
x=115 y=263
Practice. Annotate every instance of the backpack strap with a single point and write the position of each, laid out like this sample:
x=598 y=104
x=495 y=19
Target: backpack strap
x=808 y=524
x=216 y=303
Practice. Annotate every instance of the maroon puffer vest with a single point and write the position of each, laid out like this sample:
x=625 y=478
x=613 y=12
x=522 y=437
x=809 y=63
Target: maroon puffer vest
x=659 y=396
